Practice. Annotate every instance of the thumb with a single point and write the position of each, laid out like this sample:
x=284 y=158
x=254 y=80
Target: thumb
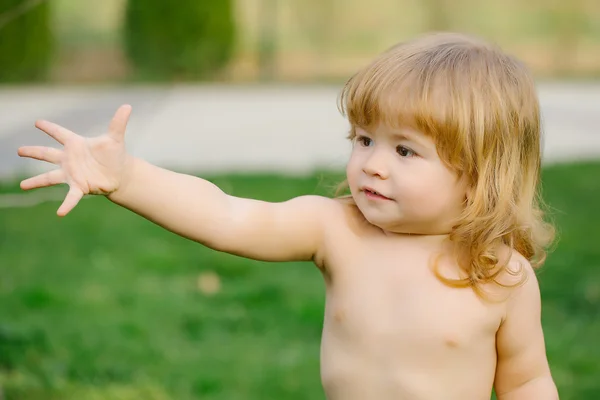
x=118 y=124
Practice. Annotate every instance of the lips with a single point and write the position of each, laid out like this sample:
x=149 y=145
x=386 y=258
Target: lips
x=373 y=194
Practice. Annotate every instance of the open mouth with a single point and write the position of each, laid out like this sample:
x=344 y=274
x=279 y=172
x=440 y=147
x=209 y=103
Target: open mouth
x=372 y=194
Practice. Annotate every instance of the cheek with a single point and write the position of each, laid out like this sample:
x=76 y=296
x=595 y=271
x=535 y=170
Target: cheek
x=353 y=167
x=429 y=188
x=415 y=182
x=446 y=191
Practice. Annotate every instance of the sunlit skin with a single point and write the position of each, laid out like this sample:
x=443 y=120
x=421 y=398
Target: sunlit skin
x=392 y=329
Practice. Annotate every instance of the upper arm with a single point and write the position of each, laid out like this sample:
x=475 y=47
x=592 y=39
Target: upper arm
x=520 y=339
x=286 y=231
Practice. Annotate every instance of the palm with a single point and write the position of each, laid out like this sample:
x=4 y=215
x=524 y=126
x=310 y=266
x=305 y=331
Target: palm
x=93 y=165
x=87 y=165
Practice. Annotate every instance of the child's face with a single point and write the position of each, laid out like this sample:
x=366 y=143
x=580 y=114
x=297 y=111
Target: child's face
x=415 y=191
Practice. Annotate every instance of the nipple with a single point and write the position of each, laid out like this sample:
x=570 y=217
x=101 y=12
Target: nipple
x=338 y=316
x=452 y=340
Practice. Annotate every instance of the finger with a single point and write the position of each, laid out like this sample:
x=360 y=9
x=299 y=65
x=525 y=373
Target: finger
x=57 y=132
x=46 y=179
x=42 y=153
x=69 y=202
x=118 y=124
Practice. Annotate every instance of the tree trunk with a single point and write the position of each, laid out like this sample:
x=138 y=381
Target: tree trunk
x=267 y=42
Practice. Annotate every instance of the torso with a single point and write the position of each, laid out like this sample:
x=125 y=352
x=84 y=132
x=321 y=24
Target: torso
x=393 y=331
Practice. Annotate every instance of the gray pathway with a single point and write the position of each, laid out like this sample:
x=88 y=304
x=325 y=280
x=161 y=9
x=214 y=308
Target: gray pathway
x=249 y=128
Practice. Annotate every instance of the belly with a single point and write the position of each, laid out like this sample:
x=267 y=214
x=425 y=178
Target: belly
x=353 y=374
x=363 y=384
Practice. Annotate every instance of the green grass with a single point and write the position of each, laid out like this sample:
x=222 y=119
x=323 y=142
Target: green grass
x=105 y=305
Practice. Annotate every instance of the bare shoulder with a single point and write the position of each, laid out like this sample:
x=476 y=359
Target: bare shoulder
x=323 y=208
x=314 y=203
x=344 y=230
x=520 y=281
x=334 y=214
x=518 y=270
x=350 y=221
x=336 y=218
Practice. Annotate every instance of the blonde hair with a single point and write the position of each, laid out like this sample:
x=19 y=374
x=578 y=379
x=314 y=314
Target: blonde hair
x=480 y=107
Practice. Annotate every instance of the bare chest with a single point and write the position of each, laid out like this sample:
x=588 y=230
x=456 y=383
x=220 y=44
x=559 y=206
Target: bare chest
x=394 y=304
x=394 y=330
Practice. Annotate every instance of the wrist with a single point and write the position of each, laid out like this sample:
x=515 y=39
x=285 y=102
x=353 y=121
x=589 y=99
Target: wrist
x=127 y=176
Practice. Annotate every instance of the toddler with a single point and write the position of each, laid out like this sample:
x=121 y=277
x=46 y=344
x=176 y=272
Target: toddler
x=428 y=258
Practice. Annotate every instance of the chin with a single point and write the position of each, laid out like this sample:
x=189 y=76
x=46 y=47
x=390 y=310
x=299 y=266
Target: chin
x=382 y=222
x=400 y=226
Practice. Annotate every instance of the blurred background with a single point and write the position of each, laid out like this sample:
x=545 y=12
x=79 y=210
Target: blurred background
x=67 y=41
x=105 y=305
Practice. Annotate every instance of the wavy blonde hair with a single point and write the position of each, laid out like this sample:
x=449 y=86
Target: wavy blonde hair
x=480 y=107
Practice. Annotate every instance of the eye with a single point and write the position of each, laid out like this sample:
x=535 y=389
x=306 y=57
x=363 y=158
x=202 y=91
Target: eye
x=365 y=141
x=404 y=151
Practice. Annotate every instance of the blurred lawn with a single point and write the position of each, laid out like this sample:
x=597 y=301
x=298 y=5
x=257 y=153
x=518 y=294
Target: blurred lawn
x=105 y=305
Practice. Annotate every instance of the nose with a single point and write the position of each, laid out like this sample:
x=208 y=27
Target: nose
x=375 y=165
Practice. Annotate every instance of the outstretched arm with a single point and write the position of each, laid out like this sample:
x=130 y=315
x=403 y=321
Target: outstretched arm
x=197 y=209
x=522 y=371
x=191 y=207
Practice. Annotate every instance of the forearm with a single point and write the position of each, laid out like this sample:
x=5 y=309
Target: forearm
x=542 y=388
x=186 y=205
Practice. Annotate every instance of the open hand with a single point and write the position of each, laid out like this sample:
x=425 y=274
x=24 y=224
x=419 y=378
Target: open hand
x=88 y=165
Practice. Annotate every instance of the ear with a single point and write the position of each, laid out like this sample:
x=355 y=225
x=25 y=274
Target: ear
x=469 y=189
x=469 y=193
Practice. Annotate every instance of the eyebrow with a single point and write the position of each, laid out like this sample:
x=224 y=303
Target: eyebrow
x=411 y=137
x=401 y=135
